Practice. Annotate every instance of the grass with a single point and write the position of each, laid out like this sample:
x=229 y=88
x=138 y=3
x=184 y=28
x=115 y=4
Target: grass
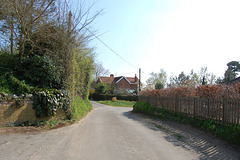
x=178 y=136
x=118 y=103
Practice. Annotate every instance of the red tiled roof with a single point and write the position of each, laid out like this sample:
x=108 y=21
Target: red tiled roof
x=110 y=80
x=132 y=79
x=107 y=80
x=117 y=78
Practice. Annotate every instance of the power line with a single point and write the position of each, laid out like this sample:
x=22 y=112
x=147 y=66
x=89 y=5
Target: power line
x=128 y=73
x=105 y=44
x=110 y=48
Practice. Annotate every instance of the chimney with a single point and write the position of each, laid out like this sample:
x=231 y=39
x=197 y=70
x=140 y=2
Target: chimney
x=135 y=77
x=111 y=75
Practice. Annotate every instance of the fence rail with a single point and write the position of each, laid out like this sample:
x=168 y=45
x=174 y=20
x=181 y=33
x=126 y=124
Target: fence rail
x=221 y=110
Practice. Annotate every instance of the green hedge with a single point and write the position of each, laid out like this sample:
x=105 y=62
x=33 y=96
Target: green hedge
x=98 y=97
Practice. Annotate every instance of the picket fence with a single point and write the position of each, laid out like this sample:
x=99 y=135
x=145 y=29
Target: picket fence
x=222 y=110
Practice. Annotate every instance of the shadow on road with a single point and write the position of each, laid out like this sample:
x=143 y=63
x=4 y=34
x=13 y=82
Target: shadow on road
x=205 y=144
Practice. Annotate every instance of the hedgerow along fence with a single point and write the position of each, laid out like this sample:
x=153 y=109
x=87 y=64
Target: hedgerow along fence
x=222 y=110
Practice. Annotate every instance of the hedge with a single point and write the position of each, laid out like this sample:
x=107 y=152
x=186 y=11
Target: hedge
x=98 y=97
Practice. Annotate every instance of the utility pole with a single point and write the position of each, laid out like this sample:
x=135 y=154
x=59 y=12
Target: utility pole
x=139 y=80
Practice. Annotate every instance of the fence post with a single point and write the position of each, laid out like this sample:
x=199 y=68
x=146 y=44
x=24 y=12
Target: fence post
x=208 y=107
x=194 y=107
x=224 y=118
x=176 y=104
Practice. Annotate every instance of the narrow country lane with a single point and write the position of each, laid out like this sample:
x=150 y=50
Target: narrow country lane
x=112 y=133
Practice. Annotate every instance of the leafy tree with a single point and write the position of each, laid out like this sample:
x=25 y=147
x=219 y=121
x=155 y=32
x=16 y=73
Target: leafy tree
x=160 y=78
x=231 y=72
x=159 y=85
x=212 y=79
x=234 y=66
x=219 y=80
x=204 y=76
x=229 y=75
x=179 y=80
x=204 y=81
x=193 y=79
x=182 y=78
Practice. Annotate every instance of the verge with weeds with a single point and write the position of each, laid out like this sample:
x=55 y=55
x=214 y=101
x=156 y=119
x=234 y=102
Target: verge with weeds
x=80 y=107
x=229 y=133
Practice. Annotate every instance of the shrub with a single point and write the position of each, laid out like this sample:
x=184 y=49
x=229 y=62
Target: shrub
x=8 y=63
x=39 y=71
x=19 y=87
x=34 y=70
x=10 y=84
x=143 y=107
x=103 y=88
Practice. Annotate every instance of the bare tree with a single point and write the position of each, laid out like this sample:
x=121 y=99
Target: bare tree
x=22 y=17
x=100 y=70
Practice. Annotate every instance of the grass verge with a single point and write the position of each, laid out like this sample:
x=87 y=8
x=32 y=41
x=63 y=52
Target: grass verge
x=80 y=108
x=229 y=133
x=118 y=103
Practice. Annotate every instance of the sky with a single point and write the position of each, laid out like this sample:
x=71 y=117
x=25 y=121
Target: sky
x=174 y=35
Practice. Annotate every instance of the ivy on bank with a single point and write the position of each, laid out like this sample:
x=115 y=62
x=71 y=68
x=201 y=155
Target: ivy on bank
x=48 y=102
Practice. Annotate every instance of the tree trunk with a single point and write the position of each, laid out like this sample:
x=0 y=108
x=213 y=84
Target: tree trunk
x=11 y=38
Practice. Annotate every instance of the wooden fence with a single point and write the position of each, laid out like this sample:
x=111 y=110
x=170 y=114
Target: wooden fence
x=221 y=110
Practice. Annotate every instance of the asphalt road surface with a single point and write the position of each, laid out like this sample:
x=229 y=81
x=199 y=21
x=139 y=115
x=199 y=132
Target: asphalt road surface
x=115 y=133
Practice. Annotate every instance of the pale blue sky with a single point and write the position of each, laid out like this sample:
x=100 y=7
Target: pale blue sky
x=176 y=35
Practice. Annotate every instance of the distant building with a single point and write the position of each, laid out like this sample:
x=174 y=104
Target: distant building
x=121 y=84
x=149 y=86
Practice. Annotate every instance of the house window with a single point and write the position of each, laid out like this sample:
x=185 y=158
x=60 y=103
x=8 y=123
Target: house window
x=130 y=90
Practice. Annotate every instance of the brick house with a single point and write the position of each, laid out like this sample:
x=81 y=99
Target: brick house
x=121 y=84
